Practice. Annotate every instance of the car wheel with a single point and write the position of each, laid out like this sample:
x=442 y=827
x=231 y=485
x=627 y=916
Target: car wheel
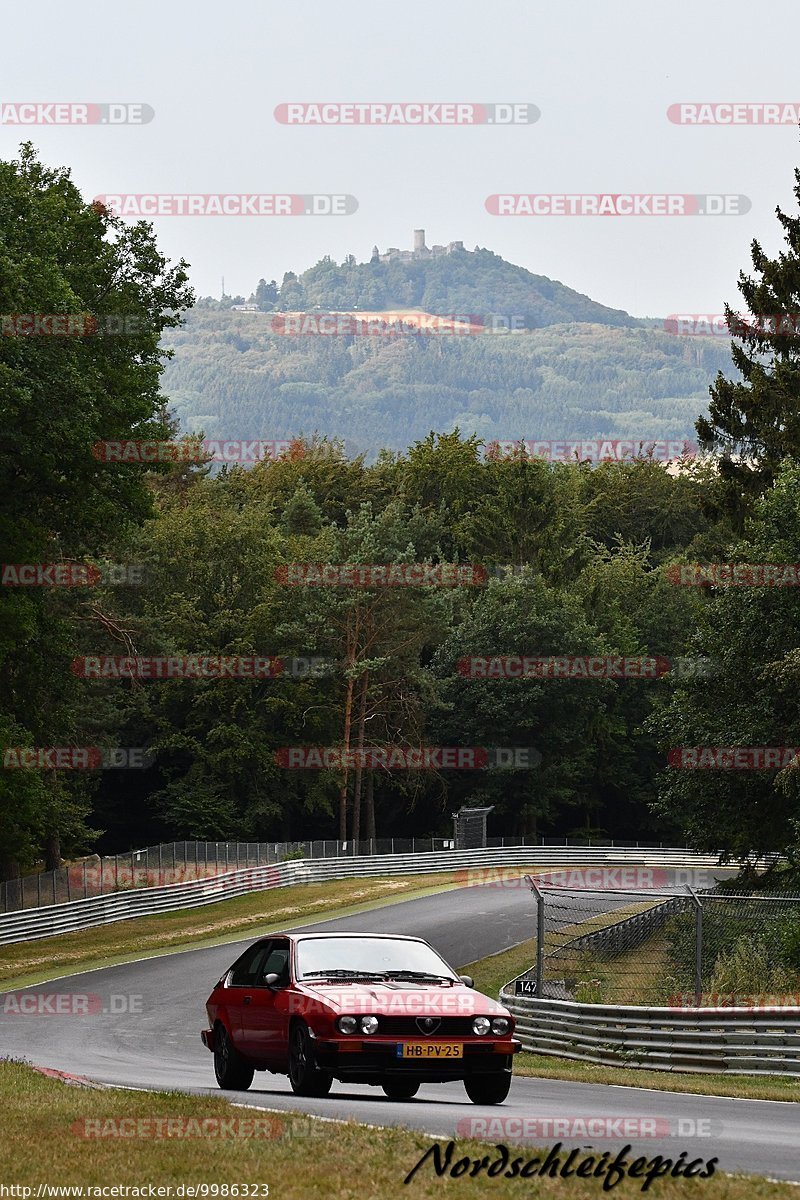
x=488 y=1089
x=400 y=1089
x=233 y=1072
x=304 y=1074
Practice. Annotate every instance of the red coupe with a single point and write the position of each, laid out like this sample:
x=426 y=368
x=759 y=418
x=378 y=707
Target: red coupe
x=363 y=1008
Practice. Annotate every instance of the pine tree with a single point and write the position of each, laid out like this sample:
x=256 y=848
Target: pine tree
x=302 y=515
x=755 y=421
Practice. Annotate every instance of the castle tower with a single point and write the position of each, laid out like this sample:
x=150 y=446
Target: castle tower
x=419 y=240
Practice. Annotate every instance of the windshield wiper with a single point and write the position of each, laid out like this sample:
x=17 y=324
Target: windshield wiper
x=418 y=975
x=340 y=973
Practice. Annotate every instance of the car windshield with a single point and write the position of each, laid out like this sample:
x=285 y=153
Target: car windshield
x=369 y=957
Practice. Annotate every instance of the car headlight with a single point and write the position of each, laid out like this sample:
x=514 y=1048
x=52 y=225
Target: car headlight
x=501 y=1025
x=481 y=1025
x=369 y=1024
x=347 y=1024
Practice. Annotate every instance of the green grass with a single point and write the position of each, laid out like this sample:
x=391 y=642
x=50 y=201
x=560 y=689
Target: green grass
x=299 y=1158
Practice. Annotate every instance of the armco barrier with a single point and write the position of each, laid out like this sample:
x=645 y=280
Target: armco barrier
x=750 y=1041
x=29 y=924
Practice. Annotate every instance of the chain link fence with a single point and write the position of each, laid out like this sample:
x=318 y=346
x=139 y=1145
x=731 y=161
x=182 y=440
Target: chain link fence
x=681 y=948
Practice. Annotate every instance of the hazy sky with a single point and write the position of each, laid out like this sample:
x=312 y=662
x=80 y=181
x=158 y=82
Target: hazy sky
x=602 y=72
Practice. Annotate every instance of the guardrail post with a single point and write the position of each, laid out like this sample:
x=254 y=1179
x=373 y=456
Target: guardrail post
x=698 y=946
x=539 y=935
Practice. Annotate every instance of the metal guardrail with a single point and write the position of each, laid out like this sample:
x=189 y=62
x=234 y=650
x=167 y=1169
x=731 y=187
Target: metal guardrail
x=179 y=862
x=746 y=1040
x=47 y=921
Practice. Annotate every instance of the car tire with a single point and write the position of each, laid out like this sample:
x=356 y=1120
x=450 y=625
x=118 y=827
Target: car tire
x=400 y=1089
x=488 y=1089
x=304 y=1075
x=234 y=1073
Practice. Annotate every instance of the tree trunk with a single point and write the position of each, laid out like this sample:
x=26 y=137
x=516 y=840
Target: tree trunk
x=348 y=712
x=362 y=711
x=52 y=852
x=370 y=806
x=9 y=868
x=350 y=659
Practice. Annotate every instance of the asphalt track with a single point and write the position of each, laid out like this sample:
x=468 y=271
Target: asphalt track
x=143 y=1026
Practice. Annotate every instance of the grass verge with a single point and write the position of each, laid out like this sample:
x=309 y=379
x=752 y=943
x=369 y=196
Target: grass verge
x=44 y=1142
x=252 y=915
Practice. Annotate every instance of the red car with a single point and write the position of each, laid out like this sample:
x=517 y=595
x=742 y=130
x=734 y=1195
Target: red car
x=363 y=1008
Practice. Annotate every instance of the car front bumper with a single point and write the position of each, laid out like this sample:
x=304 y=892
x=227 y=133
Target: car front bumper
x=362 y=1061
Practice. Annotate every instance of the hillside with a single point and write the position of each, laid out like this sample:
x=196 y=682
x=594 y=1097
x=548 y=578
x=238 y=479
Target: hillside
x=577 y=370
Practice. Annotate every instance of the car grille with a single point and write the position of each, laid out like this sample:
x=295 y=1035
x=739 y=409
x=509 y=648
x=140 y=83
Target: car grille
x=416 y=1027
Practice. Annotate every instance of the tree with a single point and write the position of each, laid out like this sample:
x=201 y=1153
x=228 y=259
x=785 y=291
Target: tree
x=749 y=637
x=755 y=421
x=58 y=397
x=521 y=615
x=266 y=294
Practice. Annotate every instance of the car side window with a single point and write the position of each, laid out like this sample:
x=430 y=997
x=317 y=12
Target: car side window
x=277 y=962
x=247 y=970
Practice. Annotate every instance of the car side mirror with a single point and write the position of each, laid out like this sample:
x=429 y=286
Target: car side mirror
x=467 y=980
x=272 y=980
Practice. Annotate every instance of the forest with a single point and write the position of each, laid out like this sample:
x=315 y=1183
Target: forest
x=364 y=589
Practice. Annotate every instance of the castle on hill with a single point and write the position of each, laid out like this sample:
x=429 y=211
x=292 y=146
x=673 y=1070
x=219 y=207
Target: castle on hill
x=420 y=251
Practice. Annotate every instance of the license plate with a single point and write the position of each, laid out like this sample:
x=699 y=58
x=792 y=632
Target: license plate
x=430 y=1050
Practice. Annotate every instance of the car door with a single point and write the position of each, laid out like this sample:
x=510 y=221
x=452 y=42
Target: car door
x=238 y=990
x=264 y=1010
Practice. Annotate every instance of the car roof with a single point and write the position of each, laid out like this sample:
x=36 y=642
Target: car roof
x=389 y=937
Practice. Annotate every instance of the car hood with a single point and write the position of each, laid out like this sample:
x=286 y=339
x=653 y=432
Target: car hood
x=403 y=999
